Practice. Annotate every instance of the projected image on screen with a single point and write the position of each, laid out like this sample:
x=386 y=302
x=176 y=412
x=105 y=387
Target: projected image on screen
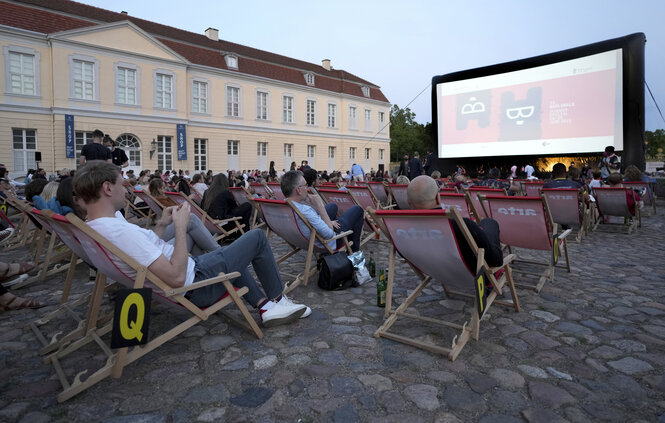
x=573 y=106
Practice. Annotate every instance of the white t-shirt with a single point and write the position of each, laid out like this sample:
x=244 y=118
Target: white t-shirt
x=142 y=245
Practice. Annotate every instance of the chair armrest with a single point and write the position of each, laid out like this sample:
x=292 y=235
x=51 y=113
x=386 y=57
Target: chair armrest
x=340 y=235
x=200 y=284
x=389 y=206
x=224 y=221
x=565 y=233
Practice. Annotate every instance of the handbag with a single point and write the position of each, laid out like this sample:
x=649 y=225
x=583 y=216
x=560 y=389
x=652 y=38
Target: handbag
x=335 y=271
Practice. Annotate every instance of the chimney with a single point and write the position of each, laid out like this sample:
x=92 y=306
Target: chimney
x=212 y=34
x=326 y=64
x=124 y=12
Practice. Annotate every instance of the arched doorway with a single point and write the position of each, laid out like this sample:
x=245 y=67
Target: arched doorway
x=132 y=147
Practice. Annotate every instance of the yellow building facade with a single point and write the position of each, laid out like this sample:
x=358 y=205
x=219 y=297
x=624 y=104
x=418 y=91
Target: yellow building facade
x=238 y=108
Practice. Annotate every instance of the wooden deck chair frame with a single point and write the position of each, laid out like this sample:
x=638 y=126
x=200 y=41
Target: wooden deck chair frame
x=25 y=232
x=281 y=219
x=532 y=189
x=437 y=245
x=138 y=212
x=242 y=196
x=473 y=193
x=398 y=195
x=100 y=250
x=536 y=233
x=612 y=202
x=155 y=206
x=461 y=202
x=215 y=226
x=380 y=192
x=276 y=190
x=345 y=200
x=262 y=190
x=649 y=195
x=567 y=207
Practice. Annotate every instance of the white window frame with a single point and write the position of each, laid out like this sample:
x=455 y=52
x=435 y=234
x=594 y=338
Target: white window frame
x=36 y=59
x=165 y=73
x=310 y=79
x=288 y=108
x=200 y=154
x=382 y=121
x=353 y=117
x=368 y=153
x=365 y=90
x=288 y=148
x=232 y=147
x=332 y=115
x=381 y=153
x=81 y=138
x=24 y=151
x=164 y=156
x=331 y=152
x=352 y=153
x=231 y=61
x=262 y=149
x=368 y=120
x=117 y=67
x=200 y=102
x=311 y=151
x=310 y=118
x=262 y=110
x=230 y=101
x=74 y=59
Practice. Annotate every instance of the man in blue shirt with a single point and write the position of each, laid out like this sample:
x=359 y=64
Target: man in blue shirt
x=323 y=218
x=357 y=172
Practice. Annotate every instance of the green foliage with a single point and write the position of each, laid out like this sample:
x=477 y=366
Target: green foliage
x=407 y=135
x=655 y=140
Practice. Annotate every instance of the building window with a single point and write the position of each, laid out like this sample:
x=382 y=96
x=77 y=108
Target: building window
x=311 y=112
x=368 y=153
x=126 y=84
x=164 y=153
x=83 y=77
x=309 y=79
x=261 y=105
x=382 y=121
x=25 y=145
x=232 y=101
x=163 y=91
x=231 y=61
x=311 y=150
x=287 y=109
x=199 y=97
x=80 y=139
x=22 y=71
x=232 y=147
x=352 y=153
x=353 y=117
x=200 y=154
x=132 y=147
x=368 y=120
x=380 y=154
x=365 y=90
x=332 y=115
x=262 y=149
x=288 y=150
x=331 y=152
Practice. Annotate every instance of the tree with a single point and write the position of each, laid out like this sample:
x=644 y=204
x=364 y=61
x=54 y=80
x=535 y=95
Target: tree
x=655 y=140
x=407 y=135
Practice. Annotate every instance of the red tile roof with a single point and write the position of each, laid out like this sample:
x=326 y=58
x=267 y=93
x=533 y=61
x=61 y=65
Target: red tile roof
x=48 y=16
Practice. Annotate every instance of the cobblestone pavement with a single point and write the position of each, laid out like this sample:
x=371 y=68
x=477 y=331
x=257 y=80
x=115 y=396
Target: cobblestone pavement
x=589 y=347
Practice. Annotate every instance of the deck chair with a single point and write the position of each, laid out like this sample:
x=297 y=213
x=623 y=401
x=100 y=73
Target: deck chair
x=532 y=189
x=276 y=189
x=25 y=231
x=568 y=208
x=281 y=219
x=612 y=204
x=475 y=202
x=379 y=190
x=262 y=190
x=215 y=226
x=398 y=194
x=460 y=202
x=646 y=193
x=345 y=200
x=448 y=190
x=103 y=254
x=526 y=222
x=242 y=196
x=156 y=207
x=426 y=240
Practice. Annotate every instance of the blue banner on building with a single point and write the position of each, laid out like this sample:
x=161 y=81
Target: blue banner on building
x=70 y=148
x=182 y=141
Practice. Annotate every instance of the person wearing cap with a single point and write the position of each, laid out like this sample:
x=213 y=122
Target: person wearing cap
x=95 y=150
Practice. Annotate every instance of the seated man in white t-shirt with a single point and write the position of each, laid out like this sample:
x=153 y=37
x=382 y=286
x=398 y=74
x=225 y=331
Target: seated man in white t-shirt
x=99 y=185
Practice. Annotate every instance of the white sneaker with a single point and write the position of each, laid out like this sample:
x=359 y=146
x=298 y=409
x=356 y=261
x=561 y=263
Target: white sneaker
x=288 y=301
x=281 y=313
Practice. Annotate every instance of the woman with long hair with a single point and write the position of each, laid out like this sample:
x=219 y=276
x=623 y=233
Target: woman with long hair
x=271 y=172
x=157 y=189
x=219 y=203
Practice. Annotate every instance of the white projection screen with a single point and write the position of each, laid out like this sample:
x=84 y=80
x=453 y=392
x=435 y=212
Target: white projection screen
x=569 y=107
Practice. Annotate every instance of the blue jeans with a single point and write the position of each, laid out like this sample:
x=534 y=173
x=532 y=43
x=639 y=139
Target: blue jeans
x=199 y=240
x=352 y=219
x=252 y=247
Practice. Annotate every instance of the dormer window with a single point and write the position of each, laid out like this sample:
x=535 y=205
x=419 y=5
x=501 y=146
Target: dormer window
x=309 y=79
x=231 y=61
x=365 y=89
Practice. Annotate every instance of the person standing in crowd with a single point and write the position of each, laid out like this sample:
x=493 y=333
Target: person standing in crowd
x=610 y=163
x=404 y=166
x=357 y=172
x=415 y=166
x=95 y=150
x=118 y=156
x=429 y=163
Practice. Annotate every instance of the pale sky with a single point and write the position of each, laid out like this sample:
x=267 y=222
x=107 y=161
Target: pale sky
x=401 y=45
